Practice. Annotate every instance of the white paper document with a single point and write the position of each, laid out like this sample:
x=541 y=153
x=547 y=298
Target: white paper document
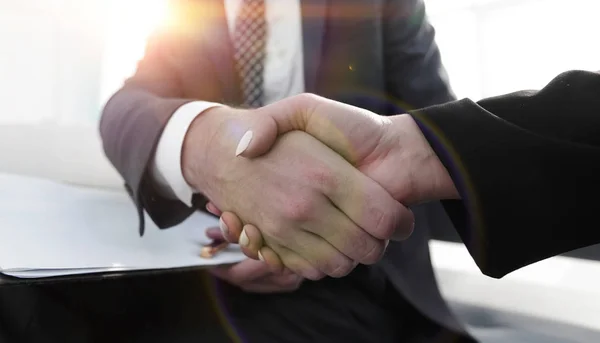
x=53 y=229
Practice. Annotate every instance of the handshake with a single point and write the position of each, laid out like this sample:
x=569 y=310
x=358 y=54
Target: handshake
x=312 y=185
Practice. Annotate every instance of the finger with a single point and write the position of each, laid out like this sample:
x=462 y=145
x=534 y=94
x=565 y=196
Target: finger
x=347 y=237
x=310 y=211
x=212 y=208
x=321 y=254
x=241 y=273
x=324 y=119
x=259 y=138
x=251 y=241
x=315 y=251
x=275 y=284
x=270 y=257
x=271 y=121
x=362 y=200
x=231 y=226
x=297 y=263
x=406 y=226
x=358 y=196
x=214 y=233
x=289 y=281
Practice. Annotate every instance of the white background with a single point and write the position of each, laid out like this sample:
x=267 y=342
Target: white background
x=492 y=47
x=61 y=59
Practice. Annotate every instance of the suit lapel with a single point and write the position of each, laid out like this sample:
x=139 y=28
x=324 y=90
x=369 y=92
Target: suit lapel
x=313 y=29
x=219 y=48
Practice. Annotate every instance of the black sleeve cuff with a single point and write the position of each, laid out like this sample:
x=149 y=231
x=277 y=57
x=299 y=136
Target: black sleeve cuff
x=465 y=214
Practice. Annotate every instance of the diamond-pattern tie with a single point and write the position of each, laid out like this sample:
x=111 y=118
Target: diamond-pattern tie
x=249 y=41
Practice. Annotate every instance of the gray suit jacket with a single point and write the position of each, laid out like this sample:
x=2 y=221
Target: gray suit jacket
x=395 y=67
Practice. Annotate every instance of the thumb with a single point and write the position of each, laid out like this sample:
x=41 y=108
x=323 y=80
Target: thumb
x=259 y=138
x=339 y=126
x=269 y=122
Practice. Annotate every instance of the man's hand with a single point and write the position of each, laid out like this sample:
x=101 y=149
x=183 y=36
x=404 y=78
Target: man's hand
x=390 y=150
x=254 y=276
x=316 y=212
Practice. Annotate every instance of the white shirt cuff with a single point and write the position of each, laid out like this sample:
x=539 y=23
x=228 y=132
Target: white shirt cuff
x=166 y=165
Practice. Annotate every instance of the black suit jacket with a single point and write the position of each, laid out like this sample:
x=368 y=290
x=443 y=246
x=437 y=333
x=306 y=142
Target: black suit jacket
x=376 y=54
x=526 y=165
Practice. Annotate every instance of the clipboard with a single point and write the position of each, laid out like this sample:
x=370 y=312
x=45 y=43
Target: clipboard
x=52 y=231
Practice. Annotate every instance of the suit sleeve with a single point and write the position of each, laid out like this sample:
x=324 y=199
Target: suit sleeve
x=416 y=76
x=131 y=125
x=526 y=165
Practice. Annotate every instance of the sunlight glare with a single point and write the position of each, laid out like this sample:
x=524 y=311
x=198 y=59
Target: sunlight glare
x=130 y=25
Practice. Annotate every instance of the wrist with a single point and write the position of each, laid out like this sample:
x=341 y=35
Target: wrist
x=429 y=178
x=202 y=146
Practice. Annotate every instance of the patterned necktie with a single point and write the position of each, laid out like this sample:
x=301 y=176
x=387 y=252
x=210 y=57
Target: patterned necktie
x=249 y=41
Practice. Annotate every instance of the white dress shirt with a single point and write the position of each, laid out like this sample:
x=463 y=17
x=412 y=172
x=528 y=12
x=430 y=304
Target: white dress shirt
x=283 y=77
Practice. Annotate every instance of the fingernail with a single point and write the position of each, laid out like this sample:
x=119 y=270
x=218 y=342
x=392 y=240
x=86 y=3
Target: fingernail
x=224 y=228
x=244 y=241
x=209 y=209
x=244 y=142
x=260 y=256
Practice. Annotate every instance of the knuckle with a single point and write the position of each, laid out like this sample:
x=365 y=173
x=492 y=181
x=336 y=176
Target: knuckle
x=307 y=97
x=324 y=179
x=341 y=269
x=334 y=264
x=364 y=246
x=313 y=274
x=274 y=230
x=271 y=233
x=386 y=221
x=374 y=254
x=316 y=276
x=305 y=102
x=299 y=209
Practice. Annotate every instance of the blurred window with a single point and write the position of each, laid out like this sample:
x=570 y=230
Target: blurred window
x=492 y=47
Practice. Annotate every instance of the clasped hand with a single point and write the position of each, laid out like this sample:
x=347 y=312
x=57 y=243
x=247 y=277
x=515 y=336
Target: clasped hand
x=315 y=205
